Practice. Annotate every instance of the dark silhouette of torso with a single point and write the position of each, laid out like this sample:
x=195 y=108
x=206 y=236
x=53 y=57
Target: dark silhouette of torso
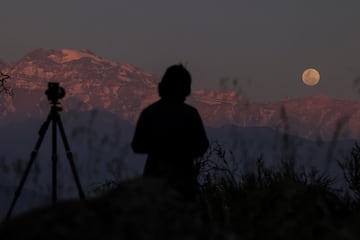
x=172 y=134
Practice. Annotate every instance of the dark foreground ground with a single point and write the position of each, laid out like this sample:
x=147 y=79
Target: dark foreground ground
x=274 y=204
x=148 y=209
x=136 y=209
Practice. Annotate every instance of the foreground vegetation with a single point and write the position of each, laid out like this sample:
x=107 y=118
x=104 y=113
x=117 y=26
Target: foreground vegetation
x=287 y=202
x=282 y=203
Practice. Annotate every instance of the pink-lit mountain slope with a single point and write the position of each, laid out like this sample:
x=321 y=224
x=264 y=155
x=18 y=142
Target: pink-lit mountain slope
x=93 y=82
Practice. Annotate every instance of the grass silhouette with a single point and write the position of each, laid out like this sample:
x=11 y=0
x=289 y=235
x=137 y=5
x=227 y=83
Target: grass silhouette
x=281 y=203
x=284 y=203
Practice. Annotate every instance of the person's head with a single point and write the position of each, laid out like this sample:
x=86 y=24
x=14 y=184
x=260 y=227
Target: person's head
x=175 y=85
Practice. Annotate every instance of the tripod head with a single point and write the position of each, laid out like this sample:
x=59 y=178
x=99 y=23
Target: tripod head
x=55 y=107
x=54 y=93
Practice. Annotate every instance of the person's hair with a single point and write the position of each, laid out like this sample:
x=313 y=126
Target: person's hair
x=175 y=84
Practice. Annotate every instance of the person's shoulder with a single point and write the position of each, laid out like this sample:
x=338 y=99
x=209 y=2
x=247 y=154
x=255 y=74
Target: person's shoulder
x=151 y=106
x=151 y=109
x=190 y=108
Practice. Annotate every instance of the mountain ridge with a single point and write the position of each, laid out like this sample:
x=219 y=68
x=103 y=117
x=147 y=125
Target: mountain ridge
x=94 y=82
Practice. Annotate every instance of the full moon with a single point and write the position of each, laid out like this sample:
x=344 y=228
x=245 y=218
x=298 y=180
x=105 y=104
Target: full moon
x=311 y=77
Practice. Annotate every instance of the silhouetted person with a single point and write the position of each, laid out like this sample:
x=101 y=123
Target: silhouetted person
x=171 y=132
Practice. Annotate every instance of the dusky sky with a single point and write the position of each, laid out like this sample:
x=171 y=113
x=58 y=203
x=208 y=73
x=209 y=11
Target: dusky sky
x=262 y=45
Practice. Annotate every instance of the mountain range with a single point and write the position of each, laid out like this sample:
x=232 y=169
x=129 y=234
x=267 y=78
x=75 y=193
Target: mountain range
x=93 y=82
x=102 y=103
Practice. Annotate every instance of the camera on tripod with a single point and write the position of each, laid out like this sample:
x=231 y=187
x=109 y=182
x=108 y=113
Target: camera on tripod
x=54 y=92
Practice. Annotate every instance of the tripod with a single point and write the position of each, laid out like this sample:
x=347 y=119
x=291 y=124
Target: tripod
x=54 y=118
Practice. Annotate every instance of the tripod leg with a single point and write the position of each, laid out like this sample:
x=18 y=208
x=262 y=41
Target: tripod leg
x=54 y=159
x=69 y=156
x=33 y=155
